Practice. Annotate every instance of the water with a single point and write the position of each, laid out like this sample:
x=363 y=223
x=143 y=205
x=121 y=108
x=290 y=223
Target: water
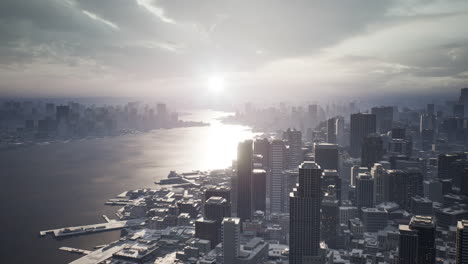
x=65 y=184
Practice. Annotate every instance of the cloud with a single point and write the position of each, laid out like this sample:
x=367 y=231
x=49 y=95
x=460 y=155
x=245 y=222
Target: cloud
x=285 y=49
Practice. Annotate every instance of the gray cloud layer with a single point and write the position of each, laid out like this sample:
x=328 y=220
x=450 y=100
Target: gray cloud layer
x=170 y=47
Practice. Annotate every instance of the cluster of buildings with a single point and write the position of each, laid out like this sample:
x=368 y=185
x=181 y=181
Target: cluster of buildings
x=380 y=187
x=22 y=121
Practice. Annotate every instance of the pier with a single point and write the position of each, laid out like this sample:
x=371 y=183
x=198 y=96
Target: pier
x=87 y=229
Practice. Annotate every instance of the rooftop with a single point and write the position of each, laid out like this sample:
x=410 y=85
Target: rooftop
x=309 y=165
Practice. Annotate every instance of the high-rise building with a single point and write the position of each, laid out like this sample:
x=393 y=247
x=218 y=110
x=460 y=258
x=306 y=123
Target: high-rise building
x=362 y=125
x=332 y=178
x=244 y=180
x=231 y=240
x=209 y=230
x=294 y=140
x=259 y=189
x=372 y=150
x=262 y=147
x=330 y=217
x=398 y=133
x=421 y=206
x=217 y=208
x=331 y=130
x=340 y=131
x=379 y=173
x=408 y=245
x=444 y=163
x=313 y=115
x=464 y=100
x=326 y=156
x=278 y=164
x=220 y=191
x=417 y=241
x=374 y=219
x=384 y=118
x=459 y=110
x=427 y=121
x=462 y=242
x=403 y=185
x=304 y=221
x=364 y=191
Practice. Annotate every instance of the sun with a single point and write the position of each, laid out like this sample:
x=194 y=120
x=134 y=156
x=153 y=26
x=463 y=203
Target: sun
x=216 y=83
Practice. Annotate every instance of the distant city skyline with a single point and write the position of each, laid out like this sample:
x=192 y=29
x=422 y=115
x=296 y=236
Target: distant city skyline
x=233 y=50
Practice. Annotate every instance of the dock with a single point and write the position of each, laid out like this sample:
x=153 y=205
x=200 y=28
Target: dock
x=75 y=250
x=87 y=229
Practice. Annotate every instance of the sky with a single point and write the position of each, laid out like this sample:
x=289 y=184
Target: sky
x=238 y=49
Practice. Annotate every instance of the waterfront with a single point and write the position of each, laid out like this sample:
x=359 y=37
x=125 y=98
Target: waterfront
x=67 y=184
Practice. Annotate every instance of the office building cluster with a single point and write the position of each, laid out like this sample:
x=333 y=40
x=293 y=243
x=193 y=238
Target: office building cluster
x=383 y=186
x=32 y=121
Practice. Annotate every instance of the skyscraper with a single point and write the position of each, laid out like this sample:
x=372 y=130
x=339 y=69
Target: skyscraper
x=464 y=100
x=326 y=156
x=331 y=177
x=402 y=185
x=231 y=240
x=217 y=208
x=277 y=166
x=294 y=139
x=330 y=217
x=244 y=180
x=384 y=118
x=262 y=147
x=364 y=191
x=304 y=240
x=372 y=150
x=362 y=125
x=444 y=163
x=462 y=242
x=331 y=130
x=379 y=174
x=259 y=189
x=417 y=241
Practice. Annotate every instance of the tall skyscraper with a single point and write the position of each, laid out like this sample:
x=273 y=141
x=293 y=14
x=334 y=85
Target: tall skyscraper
x=331 y=177
x=462 y=242
x=217 y=208
x=362 y=125
x=464 y=100
x=278 y=164
x=379 y=173
x=262 y=147
x=402 y=185
x=331 y=130
x=330 y=217
x=364 y=190
x=326 y=156
x=294 y=140
x=444 y=163
x=417 y=241
x=259 y=189
x=304 y=221
x=384 y=118
x=340 y=132
x=372 y=150
x=244 y=180
x=231 y=240
x=313 y=115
